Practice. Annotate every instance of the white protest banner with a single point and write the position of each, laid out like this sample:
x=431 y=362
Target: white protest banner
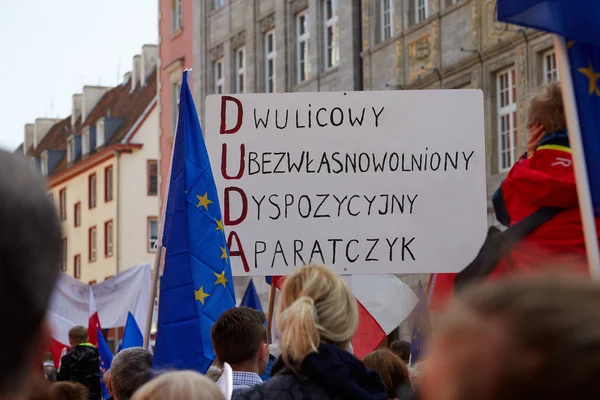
x=364 y=182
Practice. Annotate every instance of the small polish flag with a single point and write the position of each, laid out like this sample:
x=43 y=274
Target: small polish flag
x=94 y=321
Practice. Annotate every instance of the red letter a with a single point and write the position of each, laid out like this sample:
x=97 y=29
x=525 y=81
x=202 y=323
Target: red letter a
x=239 y=252
x=240 y=115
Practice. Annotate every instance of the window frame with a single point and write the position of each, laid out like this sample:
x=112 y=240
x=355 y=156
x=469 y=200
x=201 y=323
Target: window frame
x=240 y=71
x=92 y=200
x=176 y=16
x=387 y=32
x=218 y=65
x=418 y=7
x=70 y=150
x=108 y=189
x=44 y=163
x=149 y=164
x=77 y=214
x=550 y=75
x=93 y=250
x=149 y=240
x=85 y=142
x=331 y=23
x=508 y=94
x=64 y=263
x=270 y=83
x=175 y=96
x=302 y=65
x=77 y=266
x=109 y=251
x=62 y=204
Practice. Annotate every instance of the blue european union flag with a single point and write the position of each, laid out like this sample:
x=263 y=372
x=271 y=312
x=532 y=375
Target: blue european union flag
x=196 y=286
x=578 y=22
x=132 y=336
x=420 y=326
x=106 y=358
x=250 y=298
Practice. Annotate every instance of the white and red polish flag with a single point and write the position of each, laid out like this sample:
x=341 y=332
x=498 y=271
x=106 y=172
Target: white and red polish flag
x=384 y=301
x=59 y=344
x=94 y=321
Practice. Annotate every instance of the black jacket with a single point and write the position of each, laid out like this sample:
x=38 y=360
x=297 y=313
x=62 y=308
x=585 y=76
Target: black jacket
x=82 y=365
x=330 y=374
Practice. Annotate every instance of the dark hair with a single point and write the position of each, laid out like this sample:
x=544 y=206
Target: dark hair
x=50 y=373
x=69 y=391
x=390 y=367
x=238 y=334
x=552 y=324
x=30 y=253
x=401 y=348
x=78 y=334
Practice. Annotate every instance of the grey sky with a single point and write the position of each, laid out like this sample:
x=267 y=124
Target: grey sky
x=50 y=48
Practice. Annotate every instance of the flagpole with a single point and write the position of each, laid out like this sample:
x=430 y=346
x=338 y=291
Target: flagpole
x=581 y=176
x=270 y=311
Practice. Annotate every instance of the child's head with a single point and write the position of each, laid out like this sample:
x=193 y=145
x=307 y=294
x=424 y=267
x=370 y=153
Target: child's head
x=78 y=335
x=547 y=109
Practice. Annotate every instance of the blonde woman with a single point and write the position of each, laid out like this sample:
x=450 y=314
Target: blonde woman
x=317 y=318
x=180 y=385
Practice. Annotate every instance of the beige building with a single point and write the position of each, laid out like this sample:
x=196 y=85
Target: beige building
x=102 y=172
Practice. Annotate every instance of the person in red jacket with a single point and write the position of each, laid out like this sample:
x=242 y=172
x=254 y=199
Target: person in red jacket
x=543 y=177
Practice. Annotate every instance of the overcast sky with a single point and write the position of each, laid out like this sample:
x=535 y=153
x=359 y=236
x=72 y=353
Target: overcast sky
x=50 y=48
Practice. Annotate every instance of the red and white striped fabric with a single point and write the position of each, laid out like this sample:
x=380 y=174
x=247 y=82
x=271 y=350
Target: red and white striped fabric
x=384 y=301
x=59 y=344
x=94 y=321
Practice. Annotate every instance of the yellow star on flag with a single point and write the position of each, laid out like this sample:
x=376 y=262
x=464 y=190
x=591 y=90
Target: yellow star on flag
x=221 y=279
x=224 y=253
x=203 y=201
x=593 y=76
x=200 y=295
x=220 y=226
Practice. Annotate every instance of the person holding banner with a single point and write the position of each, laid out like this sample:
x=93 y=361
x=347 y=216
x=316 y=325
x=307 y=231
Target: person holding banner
x=317 y=318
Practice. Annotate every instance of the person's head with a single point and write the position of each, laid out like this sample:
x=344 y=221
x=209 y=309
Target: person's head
x=239 y=337
x=180 y=385
x=30 y=253
x=523 y=338
x=50 y=373
x=390 y=367
x=547 y=109
x=316 y=307
x=130 y=369
x=401 y=348
x=69 y=391
x=78 y=335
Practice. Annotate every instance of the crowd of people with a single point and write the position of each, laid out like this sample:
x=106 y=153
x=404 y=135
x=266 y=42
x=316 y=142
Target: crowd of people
x=516 y=336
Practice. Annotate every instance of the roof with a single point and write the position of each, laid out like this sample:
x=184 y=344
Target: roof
x=119 y=102
x=19 y=149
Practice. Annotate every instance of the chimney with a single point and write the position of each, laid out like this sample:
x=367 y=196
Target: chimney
x=29 y=133
x=76 y=108
x=127 y=77
x=91 y=96
x=135 y=73
x=148 y=63
x=42 y=127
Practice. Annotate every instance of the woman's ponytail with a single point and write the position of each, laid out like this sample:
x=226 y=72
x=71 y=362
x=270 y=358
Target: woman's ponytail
x=298 y=325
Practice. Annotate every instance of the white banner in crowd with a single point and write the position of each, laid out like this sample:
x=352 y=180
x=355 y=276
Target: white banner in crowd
x=115 y=297
x=364 y=182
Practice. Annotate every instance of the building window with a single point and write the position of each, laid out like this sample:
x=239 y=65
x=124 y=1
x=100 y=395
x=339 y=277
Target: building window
x=44 y=164
x=92 y=244
x=85 y=142
x=92 y=191
x=240 y=70
x=108 y=239
x=387 y=19
x=175 y=93
x=77 y=266
x=507 y=118
x=176 y=15
x=152 y=177
x=330 y=12
x=108 y=183
x=303 y=33
x=219 y=77
x=70 y=150
x=217 y=4
x=420 y=10
x=152 y=234
x=550 y=67
x=62 y=204
x=63 y=262
x=77 y=214
x=270 y=55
